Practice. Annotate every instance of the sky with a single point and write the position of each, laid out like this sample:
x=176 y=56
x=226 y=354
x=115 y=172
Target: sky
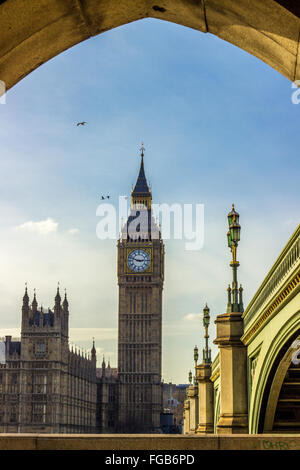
x=218 y=126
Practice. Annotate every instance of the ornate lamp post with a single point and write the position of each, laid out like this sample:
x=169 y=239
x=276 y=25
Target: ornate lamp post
x=196 y=357
x=233 y=353
x=235 y=303
x=206 y=350
x=190 y=377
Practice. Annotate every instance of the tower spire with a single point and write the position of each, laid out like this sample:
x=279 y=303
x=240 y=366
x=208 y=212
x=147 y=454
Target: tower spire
x=57 y=300
x=65 y=302
x=25 y=297
x=142 y=149
x=93 y=353
x=34 y=302
x=57 y=297
x=141 y=193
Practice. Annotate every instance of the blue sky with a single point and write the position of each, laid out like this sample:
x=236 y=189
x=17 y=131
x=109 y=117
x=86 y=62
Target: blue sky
x=219 y=127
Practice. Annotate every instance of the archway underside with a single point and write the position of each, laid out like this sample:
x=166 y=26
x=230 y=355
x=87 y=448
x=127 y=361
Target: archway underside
x=280 y=410
x=34 y=31
x=287 y=413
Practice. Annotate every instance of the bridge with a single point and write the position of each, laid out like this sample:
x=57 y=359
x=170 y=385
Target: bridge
x=270 y=338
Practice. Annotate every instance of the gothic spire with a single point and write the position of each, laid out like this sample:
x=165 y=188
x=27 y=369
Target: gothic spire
x=57 y=306
x=25 y=297
x=141 y=187
x=93 y=350
x=65 y=302
x=34 y=302
x=57 y=297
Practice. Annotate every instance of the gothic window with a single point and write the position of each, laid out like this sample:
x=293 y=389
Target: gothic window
x=14 y=379
x=40 y=349
x=134 y=303
x=13 y=414
x=111 y=419
x=39 y=413
x=13 y=383
x=39 y=384
x=111 y=397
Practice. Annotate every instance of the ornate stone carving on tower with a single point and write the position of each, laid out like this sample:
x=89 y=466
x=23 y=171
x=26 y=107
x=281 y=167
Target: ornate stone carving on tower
x=140 y=280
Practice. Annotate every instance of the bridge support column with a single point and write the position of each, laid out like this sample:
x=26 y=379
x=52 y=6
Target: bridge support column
x=233 y=374
x=186 y=417
x=193 y=399
x=205 y=399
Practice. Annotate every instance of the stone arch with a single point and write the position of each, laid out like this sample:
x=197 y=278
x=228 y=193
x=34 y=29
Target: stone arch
x=217 y=406
x=274 y=410
x=277 y=352
x=36 y=31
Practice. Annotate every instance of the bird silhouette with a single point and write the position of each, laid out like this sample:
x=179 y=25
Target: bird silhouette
x=81 y=123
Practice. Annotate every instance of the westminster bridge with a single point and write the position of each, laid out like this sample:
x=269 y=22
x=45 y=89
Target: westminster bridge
x=259 y=361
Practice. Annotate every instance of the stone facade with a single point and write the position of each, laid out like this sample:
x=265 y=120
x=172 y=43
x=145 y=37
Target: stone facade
x=45 y=387
x=140 y=279
x=107 y=398
x=130 y=398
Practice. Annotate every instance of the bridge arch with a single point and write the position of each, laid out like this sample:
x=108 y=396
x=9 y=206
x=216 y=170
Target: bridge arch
x=271 y=375
x=217 y=409
x=36 y=31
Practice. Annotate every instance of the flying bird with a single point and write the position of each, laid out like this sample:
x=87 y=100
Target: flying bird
x=81 y=123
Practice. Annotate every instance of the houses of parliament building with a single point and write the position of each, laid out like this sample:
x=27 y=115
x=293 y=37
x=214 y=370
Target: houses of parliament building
x=47 y=388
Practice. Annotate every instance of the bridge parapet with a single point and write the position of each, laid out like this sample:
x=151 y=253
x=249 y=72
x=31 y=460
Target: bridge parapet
x=279 y=284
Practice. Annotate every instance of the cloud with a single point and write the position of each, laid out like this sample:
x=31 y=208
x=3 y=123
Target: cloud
x=193 y=316
x=43 y=227
x=73 y=231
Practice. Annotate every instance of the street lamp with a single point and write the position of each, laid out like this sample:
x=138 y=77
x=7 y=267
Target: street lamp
x=206 y=321
x=196 y=355
x=234 y=232
x=233 y=238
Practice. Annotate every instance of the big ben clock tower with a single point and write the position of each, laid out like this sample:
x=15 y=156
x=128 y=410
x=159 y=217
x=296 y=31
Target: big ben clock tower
x=140 y=279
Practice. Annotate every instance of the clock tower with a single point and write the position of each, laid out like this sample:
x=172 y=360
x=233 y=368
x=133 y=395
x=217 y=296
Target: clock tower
x=140 y=280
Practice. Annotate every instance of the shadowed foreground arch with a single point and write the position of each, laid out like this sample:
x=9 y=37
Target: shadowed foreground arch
x=280 y=409
x=34 y=31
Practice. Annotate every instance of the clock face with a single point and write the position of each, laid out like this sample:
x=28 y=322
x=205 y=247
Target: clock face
x=138 y=260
